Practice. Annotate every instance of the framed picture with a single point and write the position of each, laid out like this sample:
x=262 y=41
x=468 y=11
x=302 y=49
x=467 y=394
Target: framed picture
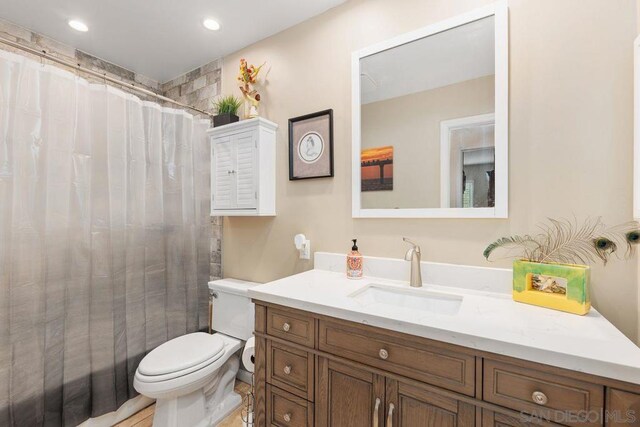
x=311 y=146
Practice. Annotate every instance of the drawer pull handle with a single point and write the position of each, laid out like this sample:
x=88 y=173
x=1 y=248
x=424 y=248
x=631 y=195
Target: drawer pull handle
x=287 y=369
x=287 y=417
x=286 y=327
x=376 y=413
x=384 y=354
x=390 y=416
x=539 y=398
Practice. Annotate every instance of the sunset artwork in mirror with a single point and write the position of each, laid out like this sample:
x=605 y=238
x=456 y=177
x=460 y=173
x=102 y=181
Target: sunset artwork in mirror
x=376 y=169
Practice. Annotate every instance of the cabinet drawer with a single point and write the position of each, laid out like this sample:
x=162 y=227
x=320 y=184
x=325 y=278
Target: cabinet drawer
x=290 y=369
x=401 y=354
x=287 y=410
x=497 y=419
x=294 y=327
x=543 y=394
x=623 y=408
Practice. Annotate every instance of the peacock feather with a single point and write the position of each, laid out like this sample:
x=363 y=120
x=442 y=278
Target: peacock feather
x=567 y=242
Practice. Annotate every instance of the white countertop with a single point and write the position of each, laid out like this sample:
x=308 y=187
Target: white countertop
x=486 y=321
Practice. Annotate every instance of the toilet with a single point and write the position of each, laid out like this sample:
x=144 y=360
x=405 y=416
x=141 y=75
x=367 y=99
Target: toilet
x=192 y=376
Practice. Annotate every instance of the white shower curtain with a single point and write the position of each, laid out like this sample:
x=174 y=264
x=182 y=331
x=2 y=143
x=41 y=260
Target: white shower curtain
x=104 y=250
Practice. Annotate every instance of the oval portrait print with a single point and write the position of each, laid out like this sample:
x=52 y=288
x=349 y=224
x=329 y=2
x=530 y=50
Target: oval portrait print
x=310 y=147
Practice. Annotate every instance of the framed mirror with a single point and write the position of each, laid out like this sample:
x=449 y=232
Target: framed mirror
x=430 y=121
x=636 y=129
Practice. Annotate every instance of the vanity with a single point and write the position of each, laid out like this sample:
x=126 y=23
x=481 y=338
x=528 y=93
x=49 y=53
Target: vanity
x=458 y=351
x=374 y=352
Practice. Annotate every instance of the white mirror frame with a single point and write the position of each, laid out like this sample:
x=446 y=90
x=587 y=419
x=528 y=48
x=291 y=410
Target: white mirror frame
x=636 y=128
x=500 y=11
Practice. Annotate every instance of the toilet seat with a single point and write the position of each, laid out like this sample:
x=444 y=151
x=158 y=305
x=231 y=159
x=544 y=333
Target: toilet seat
x=181 y=382
x=181 y=356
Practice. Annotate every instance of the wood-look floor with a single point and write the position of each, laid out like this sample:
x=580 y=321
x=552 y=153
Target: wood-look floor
x=144 y=418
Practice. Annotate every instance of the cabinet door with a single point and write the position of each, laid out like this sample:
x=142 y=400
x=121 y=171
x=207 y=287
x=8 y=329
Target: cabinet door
x=223 y=183
x=496 y=419
x=623 y=409
x=347 y=396
x=411 y=406
x=245 y=171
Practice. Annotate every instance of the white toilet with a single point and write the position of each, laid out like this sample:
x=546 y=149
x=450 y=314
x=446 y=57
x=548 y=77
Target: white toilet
x=192 y=376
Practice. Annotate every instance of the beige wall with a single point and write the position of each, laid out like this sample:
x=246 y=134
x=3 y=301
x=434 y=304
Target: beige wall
x=411 y=124
x=571 y=104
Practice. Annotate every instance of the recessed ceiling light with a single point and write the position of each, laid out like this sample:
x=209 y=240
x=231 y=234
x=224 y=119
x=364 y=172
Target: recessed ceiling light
x=78 y=25
x=211 y=24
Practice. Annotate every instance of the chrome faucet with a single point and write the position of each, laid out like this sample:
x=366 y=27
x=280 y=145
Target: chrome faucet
x=413 y=255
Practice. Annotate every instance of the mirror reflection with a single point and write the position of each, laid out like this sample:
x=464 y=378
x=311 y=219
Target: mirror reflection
x=427 y=121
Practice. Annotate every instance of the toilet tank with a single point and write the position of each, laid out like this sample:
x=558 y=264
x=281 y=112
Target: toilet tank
x=233 y=311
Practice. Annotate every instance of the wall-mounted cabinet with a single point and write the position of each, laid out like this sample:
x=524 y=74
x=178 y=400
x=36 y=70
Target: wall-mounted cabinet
x=243 y=168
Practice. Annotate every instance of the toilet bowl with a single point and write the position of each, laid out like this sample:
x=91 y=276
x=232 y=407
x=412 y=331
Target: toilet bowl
x=192 y=376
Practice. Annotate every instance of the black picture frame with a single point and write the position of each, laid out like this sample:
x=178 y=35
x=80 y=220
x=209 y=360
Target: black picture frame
x=292 y=123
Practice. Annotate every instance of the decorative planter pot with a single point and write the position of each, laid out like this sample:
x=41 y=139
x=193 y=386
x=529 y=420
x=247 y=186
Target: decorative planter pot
x=224 y=119
x=563 y=287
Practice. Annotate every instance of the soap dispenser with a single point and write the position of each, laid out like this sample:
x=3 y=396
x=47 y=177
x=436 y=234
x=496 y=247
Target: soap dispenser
x=354 y=262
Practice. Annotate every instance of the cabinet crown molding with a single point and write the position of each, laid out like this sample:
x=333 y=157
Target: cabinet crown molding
x=242 y=125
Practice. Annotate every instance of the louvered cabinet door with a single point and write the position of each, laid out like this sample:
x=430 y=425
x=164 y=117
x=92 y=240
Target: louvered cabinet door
x=246 y=170
x=223 y=182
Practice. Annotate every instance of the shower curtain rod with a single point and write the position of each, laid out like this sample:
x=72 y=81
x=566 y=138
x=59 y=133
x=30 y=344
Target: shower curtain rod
x=43 y=54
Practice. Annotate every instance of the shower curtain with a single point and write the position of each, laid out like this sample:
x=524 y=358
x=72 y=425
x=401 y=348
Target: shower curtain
x=104 y=250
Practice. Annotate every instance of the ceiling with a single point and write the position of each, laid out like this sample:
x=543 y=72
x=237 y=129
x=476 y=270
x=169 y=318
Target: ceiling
x=456 y=55
x=161 y=39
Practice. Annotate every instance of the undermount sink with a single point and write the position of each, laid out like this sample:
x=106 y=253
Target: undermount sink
x=415 y=300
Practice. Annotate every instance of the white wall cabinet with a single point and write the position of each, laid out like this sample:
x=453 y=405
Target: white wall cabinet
x=243 y=168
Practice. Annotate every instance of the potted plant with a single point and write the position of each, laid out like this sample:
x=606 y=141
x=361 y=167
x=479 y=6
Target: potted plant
x=551 y=268
x=226 y=109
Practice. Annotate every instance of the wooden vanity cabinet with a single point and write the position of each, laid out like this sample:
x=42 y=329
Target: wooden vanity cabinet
x=314 y=370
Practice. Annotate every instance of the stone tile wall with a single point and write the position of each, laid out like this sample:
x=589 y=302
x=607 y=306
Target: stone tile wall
x=199 y=88
x=34 y=40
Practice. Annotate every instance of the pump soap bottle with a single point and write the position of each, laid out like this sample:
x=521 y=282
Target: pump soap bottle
x=354 y=262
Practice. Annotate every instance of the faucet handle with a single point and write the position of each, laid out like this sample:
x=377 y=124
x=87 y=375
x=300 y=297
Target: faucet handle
x=409 y=254
x=414 y=244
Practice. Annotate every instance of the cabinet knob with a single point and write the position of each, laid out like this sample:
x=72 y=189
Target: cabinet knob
x=287 y=417
x=286 y=327
x=287 y=369
x=384 y=354
x=539 y=398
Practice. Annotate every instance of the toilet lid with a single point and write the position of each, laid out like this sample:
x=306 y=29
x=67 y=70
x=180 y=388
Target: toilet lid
x=182 y=353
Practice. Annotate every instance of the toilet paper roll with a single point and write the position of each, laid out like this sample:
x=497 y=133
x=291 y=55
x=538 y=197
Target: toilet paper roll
x=248 y=354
